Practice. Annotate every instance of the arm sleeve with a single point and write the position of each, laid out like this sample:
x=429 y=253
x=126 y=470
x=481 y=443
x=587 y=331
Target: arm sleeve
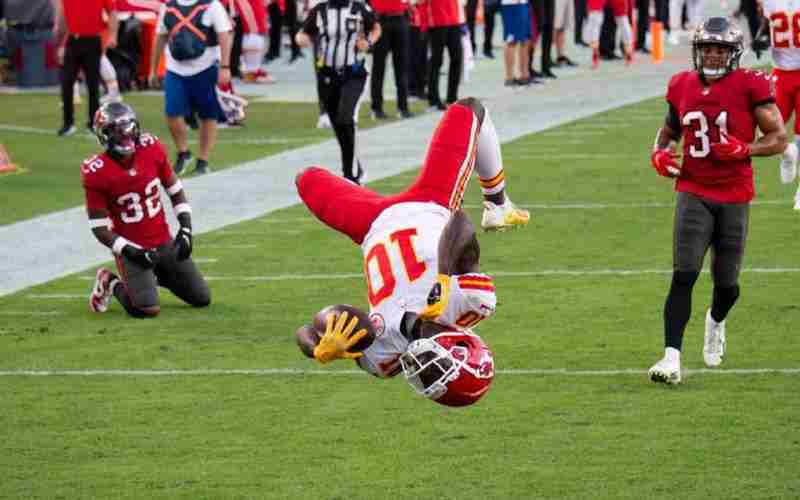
x=762 y=88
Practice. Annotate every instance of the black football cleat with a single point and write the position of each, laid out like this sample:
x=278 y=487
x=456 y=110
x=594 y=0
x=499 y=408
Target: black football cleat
x=201 y=167
x=180 y=162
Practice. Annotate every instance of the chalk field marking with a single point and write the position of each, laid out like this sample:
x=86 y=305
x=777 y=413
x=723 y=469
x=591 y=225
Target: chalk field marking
x=568 y=133
x=571 y=156
x=604 y=206
x=31 y=313
x=504 y=274
x=296 y=371
x=49 y=296
x=254 y=140
x=231 y=247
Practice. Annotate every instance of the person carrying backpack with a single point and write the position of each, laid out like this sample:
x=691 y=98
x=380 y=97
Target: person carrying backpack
x=197 y=37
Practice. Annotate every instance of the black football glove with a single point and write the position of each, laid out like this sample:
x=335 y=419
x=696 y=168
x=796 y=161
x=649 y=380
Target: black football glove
x=141 y=257
x=761 y=44
x=183 y=243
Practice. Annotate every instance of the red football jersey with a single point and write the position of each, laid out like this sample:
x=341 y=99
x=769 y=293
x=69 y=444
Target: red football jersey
x=131 y=195
x=727 y=104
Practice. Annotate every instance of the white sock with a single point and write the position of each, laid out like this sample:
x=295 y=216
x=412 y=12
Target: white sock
x=252 y=52
x=672 y=354
x=109 y=75
x=489 y=159
x=624 y=25
x=595 y=23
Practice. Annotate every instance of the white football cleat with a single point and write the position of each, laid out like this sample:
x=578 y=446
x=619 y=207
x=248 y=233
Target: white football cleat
x=501 y=217
x=797 y=199
x=666 y=371
x=713 y=342
x=324 y=121
x=789 y=163
x=101 y=292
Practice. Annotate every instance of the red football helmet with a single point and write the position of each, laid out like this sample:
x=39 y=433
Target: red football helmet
x=452 y=368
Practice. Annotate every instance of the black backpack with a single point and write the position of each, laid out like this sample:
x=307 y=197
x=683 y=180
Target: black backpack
x=188 y=38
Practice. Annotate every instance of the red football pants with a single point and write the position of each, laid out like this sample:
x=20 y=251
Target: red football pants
x=351 y=209
x=787 y=95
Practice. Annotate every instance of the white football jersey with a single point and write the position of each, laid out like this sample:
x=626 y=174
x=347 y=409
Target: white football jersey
x=401 y=266
x=783 y=16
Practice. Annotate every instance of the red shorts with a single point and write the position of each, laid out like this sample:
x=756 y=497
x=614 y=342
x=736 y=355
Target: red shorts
x=618 y=7
x=787 y=94
x=351 y=209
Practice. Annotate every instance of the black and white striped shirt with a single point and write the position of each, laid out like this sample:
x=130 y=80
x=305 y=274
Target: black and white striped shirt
x=336 y=25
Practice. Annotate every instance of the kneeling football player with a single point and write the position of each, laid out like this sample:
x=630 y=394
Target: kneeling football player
x=123 y=202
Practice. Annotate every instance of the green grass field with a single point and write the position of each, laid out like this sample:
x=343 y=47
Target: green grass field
x=333 y=434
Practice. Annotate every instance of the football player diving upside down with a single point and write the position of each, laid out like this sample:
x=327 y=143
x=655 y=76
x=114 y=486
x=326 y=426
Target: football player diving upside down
x=421 y=261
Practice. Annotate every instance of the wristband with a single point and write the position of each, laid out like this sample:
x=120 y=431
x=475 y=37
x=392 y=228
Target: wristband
x=120 y=243
x=182 y=208
x=225 y=67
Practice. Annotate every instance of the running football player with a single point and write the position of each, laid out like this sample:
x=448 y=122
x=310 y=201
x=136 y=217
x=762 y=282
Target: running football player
x=714 y=109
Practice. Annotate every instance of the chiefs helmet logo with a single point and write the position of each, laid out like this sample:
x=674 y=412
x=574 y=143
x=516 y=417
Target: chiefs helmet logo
x=486 y=367
x=378 y=323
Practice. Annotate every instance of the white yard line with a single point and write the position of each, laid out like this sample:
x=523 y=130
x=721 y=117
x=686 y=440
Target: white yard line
x=603 y=206
x=613 y=372
x=496 y=274
x=31 y=313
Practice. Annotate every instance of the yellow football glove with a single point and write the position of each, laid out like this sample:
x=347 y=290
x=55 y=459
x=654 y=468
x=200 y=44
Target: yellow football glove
x=338 y=338
x=437 y=298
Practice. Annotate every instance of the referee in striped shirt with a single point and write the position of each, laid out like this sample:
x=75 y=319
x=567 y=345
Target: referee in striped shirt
x=344 y=30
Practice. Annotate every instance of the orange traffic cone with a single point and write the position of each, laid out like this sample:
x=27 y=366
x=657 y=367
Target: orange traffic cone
x=657 y=32
x=5 y=162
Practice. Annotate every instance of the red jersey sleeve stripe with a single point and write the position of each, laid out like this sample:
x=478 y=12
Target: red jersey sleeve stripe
x=476 y=286
x=474 y=277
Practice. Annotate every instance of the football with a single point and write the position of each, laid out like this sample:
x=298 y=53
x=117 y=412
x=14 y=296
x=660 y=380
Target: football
x=319 y=324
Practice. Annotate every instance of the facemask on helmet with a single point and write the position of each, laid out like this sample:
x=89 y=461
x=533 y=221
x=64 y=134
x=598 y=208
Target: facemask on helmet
x=452 y=368
x=117 y=128
x=722 y=32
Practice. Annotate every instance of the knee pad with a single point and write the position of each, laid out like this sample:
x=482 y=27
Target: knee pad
x=475 y=105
